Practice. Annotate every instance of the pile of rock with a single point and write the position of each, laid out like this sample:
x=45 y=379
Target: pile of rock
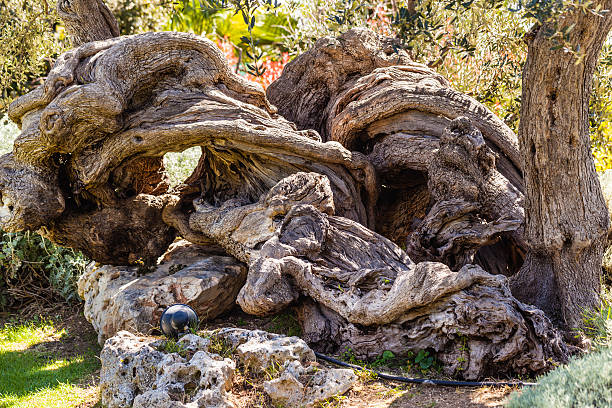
x=143 y=372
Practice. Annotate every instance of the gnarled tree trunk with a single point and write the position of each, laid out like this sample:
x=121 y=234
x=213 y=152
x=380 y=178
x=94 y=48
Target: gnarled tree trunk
x=566 y=217
x=402 y=158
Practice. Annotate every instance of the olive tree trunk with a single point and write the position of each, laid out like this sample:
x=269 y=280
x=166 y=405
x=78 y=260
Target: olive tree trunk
x=354 y=153
x=566 y=217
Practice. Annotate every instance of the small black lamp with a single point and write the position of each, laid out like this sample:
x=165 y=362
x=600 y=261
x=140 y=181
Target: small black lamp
x=177 y=320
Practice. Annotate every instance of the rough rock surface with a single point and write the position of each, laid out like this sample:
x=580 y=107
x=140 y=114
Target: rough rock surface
x=300 y=386
x=139 y=372
x=122 y=298
x=257 y=349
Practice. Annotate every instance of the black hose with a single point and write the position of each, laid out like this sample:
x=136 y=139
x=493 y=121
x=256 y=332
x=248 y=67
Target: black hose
x=426 y=381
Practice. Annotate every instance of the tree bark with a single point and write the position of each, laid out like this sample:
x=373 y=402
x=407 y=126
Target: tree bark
x=368 y=295
x=566 y=217
x=87 y=20
x=298 y=210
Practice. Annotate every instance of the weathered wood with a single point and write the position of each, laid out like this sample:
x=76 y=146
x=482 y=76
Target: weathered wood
x=567 y=222
x=396 y=115
x=376 y=297
x=357 y=89
x=297 y=208
x=311 y=81
x=474 y=205
x=104 y=133
x=131 y=232
x=87 y=20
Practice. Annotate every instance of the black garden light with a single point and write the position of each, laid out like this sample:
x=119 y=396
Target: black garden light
x=177 y=320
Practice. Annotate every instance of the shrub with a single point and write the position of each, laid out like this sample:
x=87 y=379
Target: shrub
x=585 y=382
x=32 y=268
x=179 y=166
x=29 y=43
x=140 y=16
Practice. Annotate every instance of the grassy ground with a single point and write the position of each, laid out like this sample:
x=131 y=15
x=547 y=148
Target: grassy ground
x=48 y=362
x=52 y=362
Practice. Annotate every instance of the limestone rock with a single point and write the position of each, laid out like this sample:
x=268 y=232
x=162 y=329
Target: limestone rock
x=119 y=298
x=137 y=372
x=300 y=386
x=192 y=343
x=128 y=363
x=257 y=349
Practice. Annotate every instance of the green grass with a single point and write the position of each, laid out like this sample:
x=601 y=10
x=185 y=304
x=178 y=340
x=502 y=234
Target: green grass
x=33 y=376
x=285 y=323
x=597 y=324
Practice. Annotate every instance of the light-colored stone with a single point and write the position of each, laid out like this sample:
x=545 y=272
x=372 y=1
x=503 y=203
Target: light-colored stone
x=137 y=372
x=129 y=363
x=118 y=298
x=258 y=350
x=192 y=343
x=285 y=391
x=300 y=386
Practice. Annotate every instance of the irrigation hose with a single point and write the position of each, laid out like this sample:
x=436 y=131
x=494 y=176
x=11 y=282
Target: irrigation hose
x=445 y=383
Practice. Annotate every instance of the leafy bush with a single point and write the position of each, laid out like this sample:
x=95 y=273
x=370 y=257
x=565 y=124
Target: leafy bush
x=29 y=42
x=140 y=16
x=584 y=383
x=250 y=33
x=32 y=268
x=600 y=112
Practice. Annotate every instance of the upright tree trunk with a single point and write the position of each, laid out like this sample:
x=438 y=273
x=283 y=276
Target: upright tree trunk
x=87 y=20
x=566 y=217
